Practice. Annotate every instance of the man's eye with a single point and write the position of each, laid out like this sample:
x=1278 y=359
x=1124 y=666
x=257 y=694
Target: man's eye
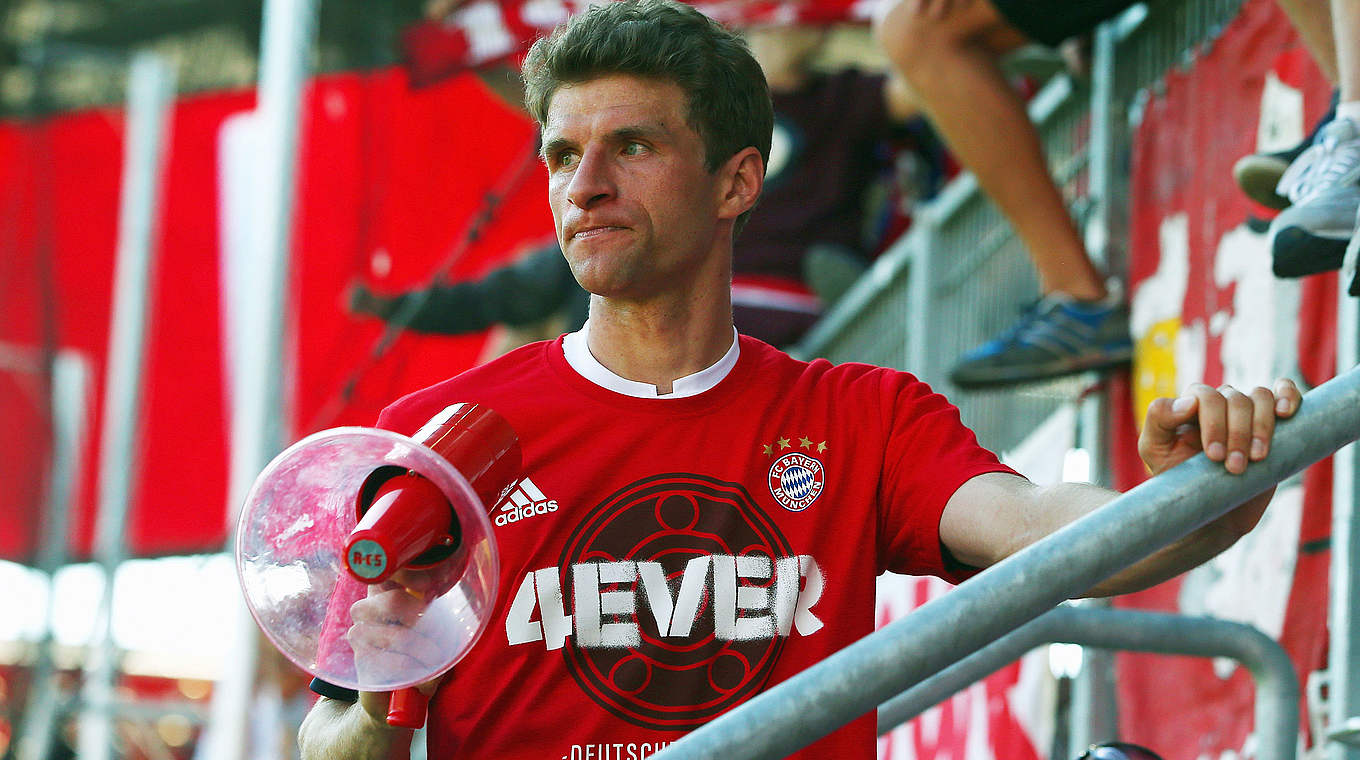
x=633 y=149
x=565 y=159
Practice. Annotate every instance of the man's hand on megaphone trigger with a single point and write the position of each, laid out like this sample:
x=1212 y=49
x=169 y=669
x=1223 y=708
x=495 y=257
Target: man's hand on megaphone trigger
x=383 y=636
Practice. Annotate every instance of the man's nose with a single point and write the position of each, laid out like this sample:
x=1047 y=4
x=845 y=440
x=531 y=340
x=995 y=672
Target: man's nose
x=592 y=181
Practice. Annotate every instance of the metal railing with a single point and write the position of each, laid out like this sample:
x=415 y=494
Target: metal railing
x=862 y=676
x=1277 y=687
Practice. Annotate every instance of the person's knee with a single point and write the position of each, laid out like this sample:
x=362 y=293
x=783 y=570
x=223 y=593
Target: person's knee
x=916 y=33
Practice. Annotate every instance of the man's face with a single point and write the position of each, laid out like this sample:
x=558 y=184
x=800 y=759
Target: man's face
x=636 y=209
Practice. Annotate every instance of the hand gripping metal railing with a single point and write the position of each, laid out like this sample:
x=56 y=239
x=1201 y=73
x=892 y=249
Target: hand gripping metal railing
x=1277 y=686
x=865 y=674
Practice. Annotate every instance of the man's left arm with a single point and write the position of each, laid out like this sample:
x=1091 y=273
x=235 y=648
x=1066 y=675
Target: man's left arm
x=995 y=515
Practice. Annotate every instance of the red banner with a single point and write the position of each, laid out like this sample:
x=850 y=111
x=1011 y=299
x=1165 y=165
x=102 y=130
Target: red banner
x=481 y=33
x=389 y=183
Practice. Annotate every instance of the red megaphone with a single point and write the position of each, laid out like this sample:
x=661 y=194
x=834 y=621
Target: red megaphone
x=390 y=502
x=406 y=521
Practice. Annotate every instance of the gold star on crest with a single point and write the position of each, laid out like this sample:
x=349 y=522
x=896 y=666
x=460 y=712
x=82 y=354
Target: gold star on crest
x=784 y=443
x=769 y=450
x=821 y=447
x=805 y=442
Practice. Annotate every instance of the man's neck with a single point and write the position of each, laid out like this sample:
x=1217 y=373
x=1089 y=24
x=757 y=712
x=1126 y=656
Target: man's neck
x=660 y=343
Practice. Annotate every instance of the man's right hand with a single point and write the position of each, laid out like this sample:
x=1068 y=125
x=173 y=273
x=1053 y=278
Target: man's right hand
x=385 y=641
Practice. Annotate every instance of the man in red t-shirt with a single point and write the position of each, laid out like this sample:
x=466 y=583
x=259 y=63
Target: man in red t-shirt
x=702 y=516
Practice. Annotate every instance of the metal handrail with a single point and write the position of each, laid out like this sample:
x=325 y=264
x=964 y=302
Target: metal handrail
x=1277 y=686
x=862 y=676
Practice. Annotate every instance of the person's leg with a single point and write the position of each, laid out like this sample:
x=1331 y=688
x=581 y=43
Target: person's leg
x=950 y=58
x=1312 y=19
x=949 y=51
x=1345 y=30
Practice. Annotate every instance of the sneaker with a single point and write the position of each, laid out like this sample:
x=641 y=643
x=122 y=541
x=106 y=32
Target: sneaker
x=1119 y=751
x=1259 y=174
x=1323 y=185
x=1056 y=336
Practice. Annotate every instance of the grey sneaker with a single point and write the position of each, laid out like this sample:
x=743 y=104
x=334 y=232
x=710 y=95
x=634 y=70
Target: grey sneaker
x=1054 y=337
x=1259 y=174
x=1323 y=185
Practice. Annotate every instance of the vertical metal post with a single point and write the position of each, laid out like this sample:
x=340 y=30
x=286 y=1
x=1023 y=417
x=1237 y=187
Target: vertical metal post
x=258 y=310
x=1343 y=700
x=70 y=383
x=150 y=88
x=1094 y=717
x=1101 y=147
x=286 y=44
x=921 y=288
x=1095 y=713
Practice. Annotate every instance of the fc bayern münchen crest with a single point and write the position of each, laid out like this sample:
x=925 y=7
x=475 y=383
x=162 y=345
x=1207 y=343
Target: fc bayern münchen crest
x=796 y=481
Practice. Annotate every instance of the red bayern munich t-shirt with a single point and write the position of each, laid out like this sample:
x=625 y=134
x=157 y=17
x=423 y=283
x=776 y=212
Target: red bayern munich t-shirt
x=664 y=559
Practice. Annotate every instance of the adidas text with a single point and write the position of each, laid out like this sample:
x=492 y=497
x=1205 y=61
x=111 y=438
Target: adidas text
x=515 y=512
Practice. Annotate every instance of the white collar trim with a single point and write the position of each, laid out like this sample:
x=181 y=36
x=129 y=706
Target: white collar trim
x=586 y=365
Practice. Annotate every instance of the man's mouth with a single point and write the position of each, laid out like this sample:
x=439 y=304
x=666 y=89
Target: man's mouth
x=592 y=232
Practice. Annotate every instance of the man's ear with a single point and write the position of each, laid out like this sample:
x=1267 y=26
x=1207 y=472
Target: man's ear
x=744 y=177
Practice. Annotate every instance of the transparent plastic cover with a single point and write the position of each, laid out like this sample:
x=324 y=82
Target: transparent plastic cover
x=289 y=554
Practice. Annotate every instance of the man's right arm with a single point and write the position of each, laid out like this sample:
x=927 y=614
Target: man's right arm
x=338 y=729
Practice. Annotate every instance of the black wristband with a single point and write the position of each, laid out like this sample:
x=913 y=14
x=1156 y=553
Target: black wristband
x=330 y=690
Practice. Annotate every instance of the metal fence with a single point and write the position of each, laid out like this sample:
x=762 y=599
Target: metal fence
x=960 y=276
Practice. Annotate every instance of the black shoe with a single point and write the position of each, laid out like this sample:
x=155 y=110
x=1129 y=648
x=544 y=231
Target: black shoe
x=1258 y=174
x=1295 y=252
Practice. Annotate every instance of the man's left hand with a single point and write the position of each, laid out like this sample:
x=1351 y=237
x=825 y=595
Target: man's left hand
x=1229 y=426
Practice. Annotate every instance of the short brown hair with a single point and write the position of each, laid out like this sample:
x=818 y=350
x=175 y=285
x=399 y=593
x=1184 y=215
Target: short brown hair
x=728 y=99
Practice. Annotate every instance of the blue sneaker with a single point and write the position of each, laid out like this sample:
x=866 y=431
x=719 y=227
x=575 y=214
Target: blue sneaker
x=1056 y=336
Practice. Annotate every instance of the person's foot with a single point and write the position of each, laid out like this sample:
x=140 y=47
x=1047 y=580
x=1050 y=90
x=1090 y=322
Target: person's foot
x=1323 y=185
x=1258 y=175
x=1054 y=337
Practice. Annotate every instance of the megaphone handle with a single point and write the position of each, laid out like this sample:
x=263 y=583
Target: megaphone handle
x=407 y=708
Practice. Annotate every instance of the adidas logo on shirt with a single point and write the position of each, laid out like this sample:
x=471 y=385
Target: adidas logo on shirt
x=524 y=501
